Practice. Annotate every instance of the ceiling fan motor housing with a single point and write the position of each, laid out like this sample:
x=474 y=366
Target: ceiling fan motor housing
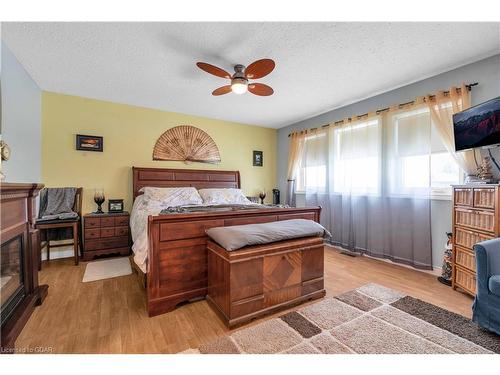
x=241 y=81
x=239 y=75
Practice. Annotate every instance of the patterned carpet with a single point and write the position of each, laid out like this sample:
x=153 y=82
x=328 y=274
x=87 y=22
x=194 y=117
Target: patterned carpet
x=369 y=320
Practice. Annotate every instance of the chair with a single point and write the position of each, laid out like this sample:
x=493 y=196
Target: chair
x=486 y=307
x=75 y=224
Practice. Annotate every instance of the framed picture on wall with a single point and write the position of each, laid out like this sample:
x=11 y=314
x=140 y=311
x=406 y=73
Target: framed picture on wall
x=89 y=143
x=258 y=159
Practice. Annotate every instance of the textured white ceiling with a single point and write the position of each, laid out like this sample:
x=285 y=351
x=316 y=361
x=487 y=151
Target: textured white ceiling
x=319 y=66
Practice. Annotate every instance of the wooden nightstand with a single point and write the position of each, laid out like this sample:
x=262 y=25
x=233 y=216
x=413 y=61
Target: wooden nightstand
x=105 y=234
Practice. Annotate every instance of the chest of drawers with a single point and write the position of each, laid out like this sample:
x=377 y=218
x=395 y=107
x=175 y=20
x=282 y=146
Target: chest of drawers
x=105 y=234
x=475 y=219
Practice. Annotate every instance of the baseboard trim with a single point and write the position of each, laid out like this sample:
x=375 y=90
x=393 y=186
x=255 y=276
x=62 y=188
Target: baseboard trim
x=435 y=270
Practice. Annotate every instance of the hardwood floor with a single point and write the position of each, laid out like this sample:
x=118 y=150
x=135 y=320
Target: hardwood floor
x=109 y=316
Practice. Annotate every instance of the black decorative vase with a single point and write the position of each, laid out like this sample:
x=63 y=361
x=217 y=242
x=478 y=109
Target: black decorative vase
x=262 y=196
x=99 y=200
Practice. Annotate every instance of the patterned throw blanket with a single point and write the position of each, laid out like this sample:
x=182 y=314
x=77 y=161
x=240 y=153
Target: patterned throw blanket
x=217 y=207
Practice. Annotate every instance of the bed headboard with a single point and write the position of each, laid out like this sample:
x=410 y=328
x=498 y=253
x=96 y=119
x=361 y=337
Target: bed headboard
x=200 y=179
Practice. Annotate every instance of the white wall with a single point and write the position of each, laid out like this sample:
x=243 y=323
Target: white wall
x=486 y=72
x=21 y=120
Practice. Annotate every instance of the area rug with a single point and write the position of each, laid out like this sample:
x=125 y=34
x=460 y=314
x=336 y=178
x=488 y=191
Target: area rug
x=371 y=319
x=106 y=269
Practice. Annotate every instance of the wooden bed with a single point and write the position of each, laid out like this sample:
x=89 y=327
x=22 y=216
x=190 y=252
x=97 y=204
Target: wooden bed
x=177 y=258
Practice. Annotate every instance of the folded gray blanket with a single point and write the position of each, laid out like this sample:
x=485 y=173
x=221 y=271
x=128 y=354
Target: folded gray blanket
x=69 y=215
x=238 y=236
x=57 y=203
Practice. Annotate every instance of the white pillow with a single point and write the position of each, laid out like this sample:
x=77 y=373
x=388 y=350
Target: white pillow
x=180 y=196
x=223 y=196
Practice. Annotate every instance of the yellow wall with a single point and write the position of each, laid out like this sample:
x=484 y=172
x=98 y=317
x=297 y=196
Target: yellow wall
x=129 y=136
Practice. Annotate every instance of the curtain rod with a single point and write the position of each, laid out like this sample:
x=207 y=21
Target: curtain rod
x=469 y=88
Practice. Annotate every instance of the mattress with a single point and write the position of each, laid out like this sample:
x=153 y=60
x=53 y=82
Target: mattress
x=143 y=208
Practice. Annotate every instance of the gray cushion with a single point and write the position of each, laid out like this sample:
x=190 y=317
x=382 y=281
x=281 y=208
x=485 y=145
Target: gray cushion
x=494 y=285
x=238 y=236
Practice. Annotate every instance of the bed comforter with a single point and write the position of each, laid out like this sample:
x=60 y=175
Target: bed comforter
x=143 y=208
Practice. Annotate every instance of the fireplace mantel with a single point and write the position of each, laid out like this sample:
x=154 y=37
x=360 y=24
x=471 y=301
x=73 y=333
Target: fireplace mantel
x=19 y=268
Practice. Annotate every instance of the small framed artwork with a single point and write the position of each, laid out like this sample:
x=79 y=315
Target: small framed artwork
x=115 y=205
x=258 y=159
x=89 y=143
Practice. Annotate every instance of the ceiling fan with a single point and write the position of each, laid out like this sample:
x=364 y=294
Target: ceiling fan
x=239 y=80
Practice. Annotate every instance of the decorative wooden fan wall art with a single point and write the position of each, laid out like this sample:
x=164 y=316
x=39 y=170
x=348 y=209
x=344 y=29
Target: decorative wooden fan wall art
x=186 y=143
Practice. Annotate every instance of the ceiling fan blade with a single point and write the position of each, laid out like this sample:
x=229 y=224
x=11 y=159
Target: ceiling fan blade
x=260 y=89
x=212 y=69
x=259 y=68
x=222 y=90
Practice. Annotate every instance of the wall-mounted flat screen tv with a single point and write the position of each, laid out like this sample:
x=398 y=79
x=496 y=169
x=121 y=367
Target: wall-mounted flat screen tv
x=477 y=126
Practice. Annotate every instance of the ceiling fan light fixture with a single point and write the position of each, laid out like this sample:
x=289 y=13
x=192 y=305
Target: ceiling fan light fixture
x=239 y=80
x=239 y=85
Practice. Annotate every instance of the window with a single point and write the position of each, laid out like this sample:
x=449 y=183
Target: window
x=444 y=172
x=316 y=177
x=300 y=182
x=356 y=158
x=397 y=154
x=312 y=169
x=420 y=164
x=415 y=175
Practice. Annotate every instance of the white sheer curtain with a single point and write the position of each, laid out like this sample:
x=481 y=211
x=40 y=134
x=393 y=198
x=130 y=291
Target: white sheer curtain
x=442 y=106
x=294 y=155
x=372 y=176
x=317 y=171
x=375 y=176
x=410 y=143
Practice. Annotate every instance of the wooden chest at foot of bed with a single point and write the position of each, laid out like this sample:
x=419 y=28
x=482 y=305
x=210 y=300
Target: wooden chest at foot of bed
x=257 y=280
x=177 y=257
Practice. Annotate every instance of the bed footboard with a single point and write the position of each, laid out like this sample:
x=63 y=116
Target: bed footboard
x=177 y=259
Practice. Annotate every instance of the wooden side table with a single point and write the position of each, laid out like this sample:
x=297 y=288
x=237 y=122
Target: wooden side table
x=106 y=234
